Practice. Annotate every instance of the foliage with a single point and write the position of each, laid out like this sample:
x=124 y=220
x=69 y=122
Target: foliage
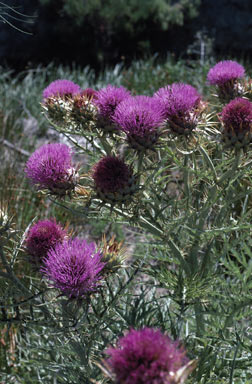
x=116 y=13
x=190 y=229
x=116 y=29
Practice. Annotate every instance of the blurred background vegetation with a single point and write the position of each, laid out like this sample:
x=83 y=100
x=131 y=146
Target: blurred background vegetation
x=100 y=33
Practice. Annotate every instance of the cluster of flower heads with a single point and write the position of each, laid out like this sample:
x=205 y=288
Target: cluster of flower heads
x=147 y=356
x=76 y=267
x=236 y=116
x=72 y=265
x=113 y=109
x=50 y=168
x=175 y=108
x=68 y=106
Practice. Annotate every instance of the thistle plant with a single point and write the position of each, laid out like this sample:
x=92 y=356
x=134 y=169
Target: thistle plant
x=102 y=312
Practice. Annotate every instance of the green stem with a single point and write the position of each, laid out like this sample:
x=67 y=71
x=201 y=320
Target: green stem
x=234 y=168
x=140 y=161
x=18 y=283
x=151 y=227
x=105 y=145
x=187 y=181
x=144 y=223
x=233 y=364
x=200 y=326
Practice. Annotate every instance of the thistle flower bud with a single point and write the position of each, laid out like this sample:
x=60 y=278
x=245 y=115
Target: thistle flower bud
x=182 y=107
x=114 y=180
x=113 y=254
x=50 y=167
x=74 y=267
x=57 y=110
x=41 y=237
x=83 y=113
x=147 y=356
x=107 y=99
x=140 y=117
x=236 y=118
x=225 y=76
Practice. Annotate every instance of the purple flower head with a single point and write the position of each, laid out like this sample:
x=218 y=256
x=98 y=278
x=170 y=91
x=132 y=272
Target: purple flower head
x=113 y=179
x=111 y=174
x=74 y=267
x=182 y=106
x=61 y=88
x=178 y=99
x=145 y=357
x=41 y=237
x=238 y=114
x=140 y=117
x=225 y=71
x=108 y=99
x=50 y=167
x=236 y=118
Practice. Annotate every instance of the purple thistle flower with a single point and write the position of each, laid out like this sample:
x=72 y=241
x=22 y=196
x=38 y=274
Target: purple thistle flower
x=145 y=357
x=74 y=267
x=237 y=121
x=140 y=117
x=107 y=100
x=41 y=237
x=113 y=179
x=50 y=167
x=178 y=99
x=182 y=105
x=225 y=71
x=61 y=88
x=225 y=76
x=238 y=112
